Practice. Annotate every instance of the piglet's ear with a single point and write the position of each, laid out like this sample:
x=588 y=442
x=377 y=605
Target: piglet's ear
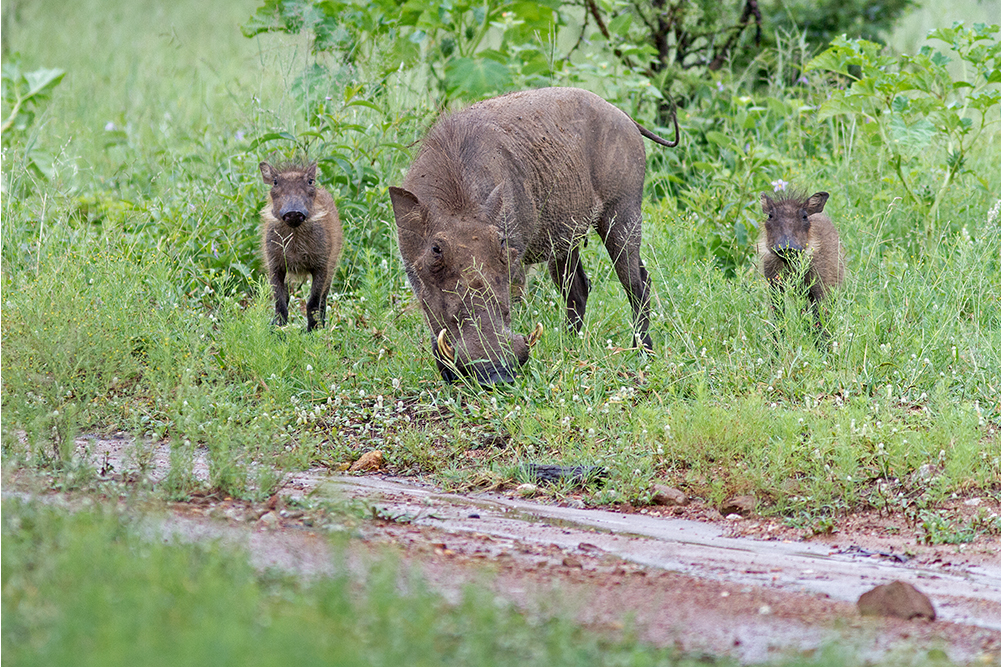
x=311 y=171
x=411 y=217
x=816 y=203
x=767 y=203
x=267 y=172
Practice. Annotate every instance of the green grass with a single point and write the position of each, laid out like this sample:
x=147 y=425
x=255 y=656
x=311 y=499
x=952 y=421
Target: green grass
x=93 y=588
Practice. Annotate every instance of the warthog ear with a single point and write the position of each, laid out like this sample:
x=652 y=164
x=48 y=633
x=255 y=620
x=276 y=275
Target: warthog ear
x=267 y=173
x=411 y=216
x=494 y=205
x=311 y=172
x=816 y=203
x=767 y=203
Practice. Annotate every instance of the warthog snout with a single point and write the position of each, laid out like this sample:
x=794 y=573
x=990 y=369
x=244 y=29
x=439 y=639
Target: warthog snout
x=294 y=218
x=487 y=372
x=788 y=249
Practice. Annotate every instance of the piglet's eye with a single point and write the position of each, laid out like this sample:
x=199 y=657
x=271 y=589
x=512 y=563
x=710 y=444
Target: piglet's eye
x=436 y=249
x=309 y=182
x=275 y=182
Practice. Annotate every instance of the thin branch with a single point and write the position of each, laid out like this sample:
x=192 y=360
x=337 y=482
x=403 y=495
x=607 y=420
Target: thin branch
x=593 y=8
x=751 y=8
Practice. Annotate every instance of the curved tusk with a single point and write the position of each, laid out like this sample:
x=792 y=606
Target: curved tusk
x=444 y=348
x=537 y=334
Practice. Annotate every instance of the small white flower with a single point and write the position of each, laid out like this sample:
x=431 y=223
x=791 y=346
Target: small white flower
x=778 y=184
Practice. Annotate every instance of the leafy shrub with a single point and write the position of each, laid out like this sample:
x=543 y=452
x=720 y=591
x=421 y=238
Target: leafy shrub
x=914 y=111
x=25 y=95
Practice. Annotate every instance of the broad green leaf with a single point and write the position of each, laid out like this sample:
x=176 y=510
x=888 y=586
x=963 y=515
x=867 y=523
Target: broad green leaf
x=719 y=138
x=363 y=103
x=466 y=77
x=911 y=138
x=841 y=104
x=537 y=16
x=267 y=18
x=984 y=100
x=621 y=24
x=271 y=136
x=42 y=81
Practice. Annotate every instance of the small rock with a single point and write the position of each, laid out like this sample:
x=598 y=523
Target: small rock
x=234 y=513
x=571 y=562
x=765 y=609
x=733 y=516
x=743 y=505
x=527 y=489
x=973 y=502
x=370 y=461
x=668 y=496
x=896 y=599
x=269 y=520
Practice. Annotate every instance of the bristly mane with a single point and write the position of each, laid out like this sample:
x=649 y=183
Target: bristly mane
x=293 y=166
x=794 y=195
x=452 y=145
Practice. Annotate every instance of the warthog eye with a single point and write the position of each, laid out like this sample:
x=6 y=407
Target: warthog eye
x=436 y=249
x=275 y=181
x=309 y=182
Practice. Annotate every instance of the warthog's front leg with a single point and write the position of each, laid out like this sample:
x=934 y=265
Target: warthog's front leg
x=281 y=291
x=568 y=273
x=316 y=304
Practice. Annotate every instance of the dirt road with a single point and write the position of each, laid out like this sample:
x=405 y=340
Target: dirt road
x=701 y=586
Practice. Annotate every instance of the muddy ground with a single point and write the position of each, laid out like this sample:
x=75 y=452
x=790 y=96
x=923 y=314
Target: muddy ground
x=751 y=589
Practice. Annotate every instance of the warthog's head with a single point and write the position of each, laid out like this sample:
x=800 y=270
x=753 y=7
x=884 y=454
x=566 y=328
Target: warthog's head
x=293 y=188
x=788 y=223
x=462 y=267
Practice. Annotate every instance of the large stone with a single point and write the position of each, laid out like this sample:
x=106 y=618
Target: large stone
x=743 y=505
x=370 y=461
x=668 y=496
x=896 y=599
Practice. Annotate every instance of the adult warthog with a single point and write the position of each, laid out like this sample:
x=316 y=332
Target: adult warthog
x=510 y=182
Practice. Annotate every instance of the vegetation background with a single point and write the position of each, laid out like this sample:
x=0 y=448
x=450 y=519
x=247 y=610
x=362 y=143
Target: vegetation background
x=133 y=299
